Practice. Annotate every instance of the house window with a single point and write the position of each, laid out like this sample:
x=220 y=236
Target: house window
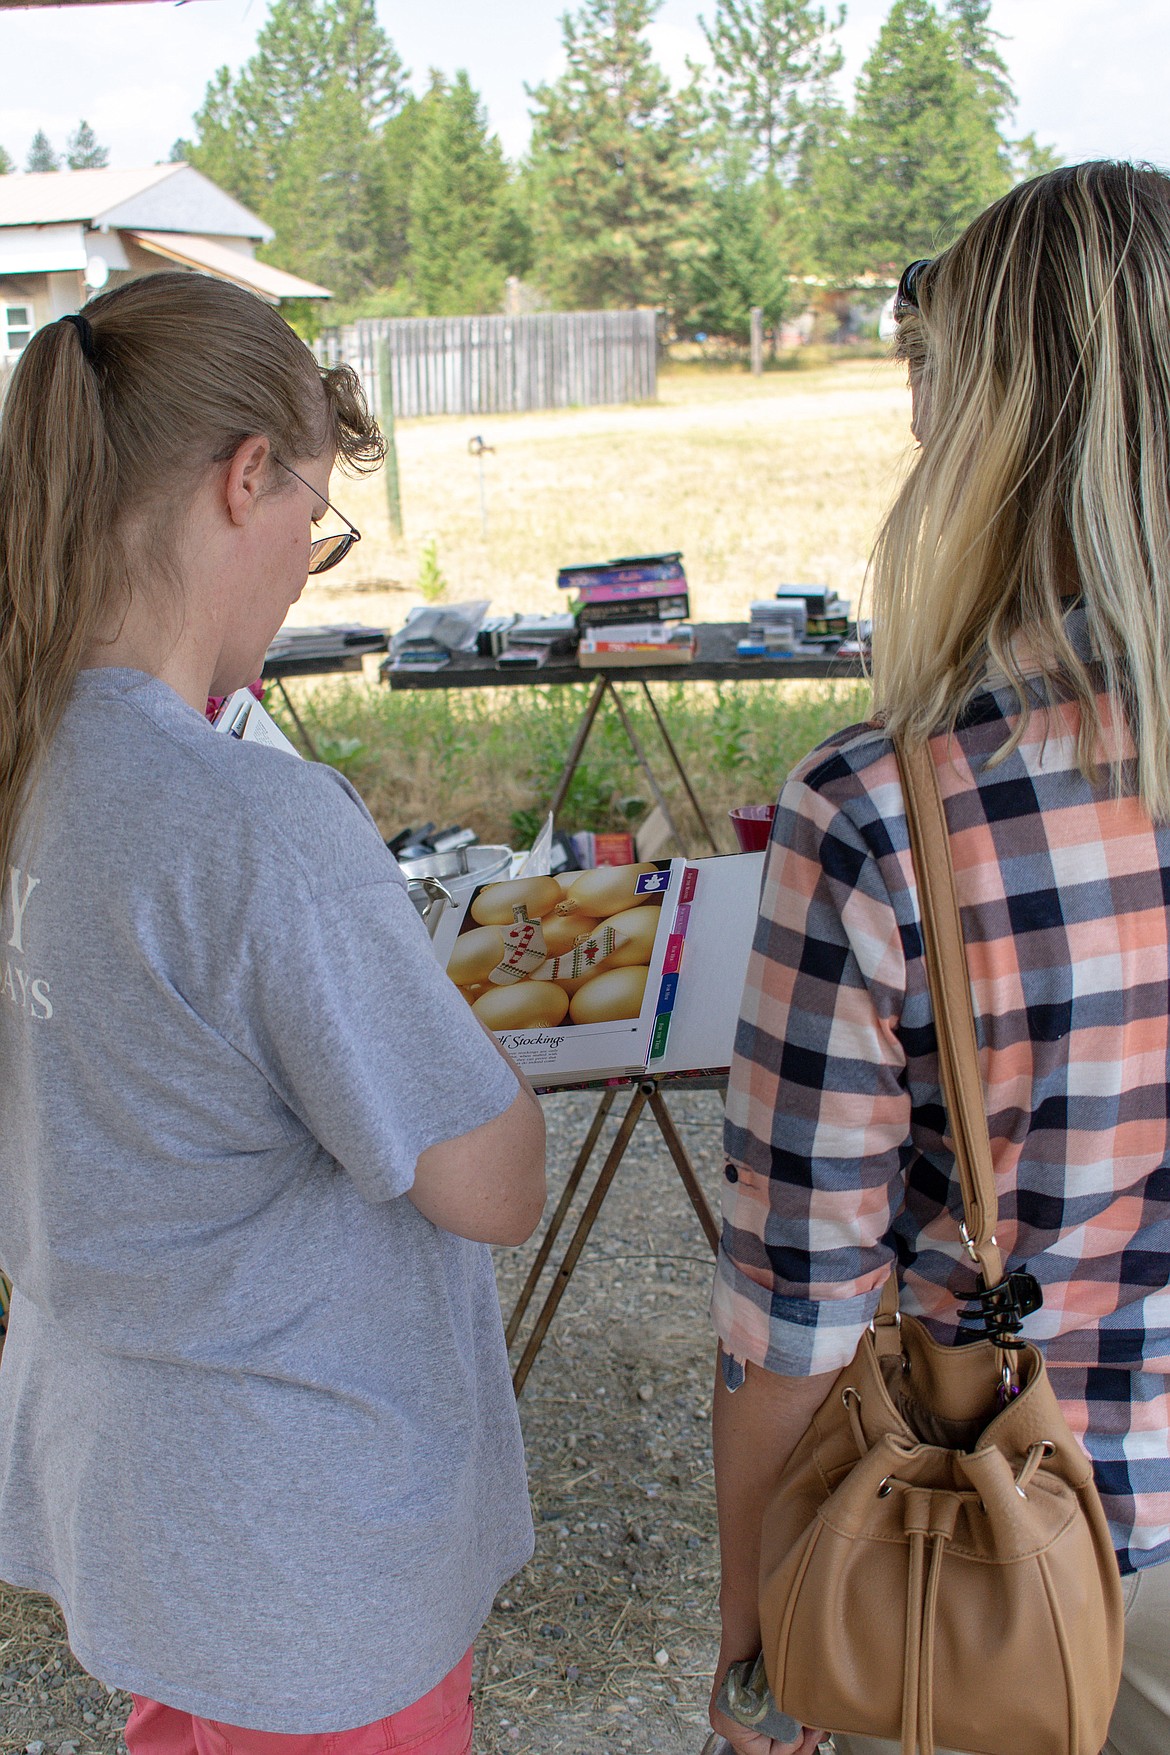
x=18 y=327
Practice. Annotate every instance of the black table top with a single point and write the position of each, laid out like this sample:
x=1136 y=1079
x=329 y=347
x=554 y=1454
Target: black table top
x=716 y=660
x=320 y=651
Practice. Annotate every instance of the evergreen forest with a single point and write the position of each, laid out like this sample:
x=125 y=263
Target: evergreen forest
x=732 y=190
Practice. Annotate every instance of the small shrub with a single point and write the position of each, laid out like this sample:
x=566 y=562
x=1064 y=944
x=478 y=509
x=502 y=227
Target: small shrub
x=432 y=582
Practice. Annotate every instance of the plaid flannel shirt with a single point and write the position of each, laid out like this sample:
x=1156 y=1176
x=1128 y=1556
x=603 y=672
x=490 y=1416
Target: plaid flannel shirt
x=837 y=1157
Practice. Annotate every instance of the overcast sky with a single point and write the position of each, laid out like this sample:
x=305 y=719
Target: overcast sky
x=1091 y=78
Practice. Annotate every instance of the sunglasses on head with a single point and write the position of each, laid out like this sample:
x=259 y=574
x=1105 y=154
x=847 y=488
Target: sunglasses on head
x=326 y=551
x=906 y=297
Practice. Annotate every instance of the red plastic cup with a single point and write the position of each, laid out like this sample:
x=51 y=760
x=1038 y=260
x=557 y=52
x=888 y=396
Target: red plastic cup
x=753 y=825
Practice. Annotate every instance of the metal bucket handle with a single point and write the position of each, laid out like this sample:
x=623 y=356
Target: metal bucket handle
x=437 y=898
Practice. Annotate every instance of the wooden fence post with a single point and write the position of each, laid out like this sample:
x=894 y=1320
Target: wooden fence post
x=757 y=341
x=386 y=422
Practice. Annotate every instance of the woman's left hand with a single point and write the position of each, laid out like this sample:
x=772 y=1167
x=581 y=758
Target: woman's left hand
x=748 y=1742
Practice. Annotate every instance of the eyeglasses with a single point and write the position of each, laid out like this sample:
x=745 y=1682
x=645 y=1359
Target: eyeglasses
x=906 y=297
x=326 y=551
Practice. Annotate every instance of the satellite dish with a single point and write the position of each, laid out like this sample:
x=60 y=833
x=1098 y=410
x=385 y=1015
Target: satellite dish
x=97 y=272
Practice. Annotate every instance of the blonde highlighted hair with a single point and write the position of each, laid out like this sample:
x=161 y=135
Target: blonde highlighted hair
x=107 y=429
x=1041 y=349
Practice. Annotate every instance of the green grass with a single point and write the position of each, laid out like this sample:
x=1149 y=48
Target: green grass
x=490 y=758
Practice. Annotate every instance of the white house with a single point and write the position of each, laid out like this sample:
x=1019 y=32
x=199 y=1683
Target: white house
x=65 y=234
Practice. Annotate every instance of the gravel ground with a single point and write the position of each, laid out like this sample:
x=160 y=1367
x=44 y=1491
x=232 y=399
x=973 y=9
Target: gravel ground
x=606 y=1640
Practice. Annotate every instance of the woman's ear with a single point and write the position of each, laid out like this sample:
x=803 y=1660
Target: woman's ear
x=247 y=477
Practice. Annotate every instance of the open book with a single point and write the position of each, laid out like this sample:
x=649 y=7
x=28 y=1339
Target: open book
x=576 y=974
x=242 y=716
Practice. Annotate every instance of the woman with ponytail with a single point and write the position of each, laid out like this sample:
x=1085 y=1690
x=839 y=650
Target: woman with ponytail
x=257 y=1436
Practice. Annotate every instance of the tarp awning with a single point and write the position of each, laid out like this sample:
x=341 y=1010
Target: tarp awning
x=271 y=283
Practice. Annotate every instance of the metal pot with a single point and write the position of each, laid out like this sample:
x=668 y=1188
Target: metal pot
x=448 y=877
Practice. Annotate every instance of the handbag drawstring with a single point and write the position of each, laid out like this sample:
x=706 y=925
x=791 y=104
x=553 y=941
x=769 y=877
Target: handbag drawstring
x=928 y=1516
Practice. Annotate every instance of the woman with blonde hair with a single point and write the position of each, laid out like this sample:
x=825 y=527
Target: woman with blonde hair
x=1021 y=632
x=257 y=1436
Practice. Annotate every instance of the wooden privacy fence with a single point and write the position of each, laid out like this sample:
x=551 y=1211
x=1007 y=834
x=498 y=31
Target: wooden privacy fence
x=489 y=365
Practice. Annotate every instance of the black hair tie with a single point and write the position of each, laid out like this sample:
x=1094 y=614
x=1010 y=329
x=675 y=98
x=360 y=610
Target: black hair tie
x=84 y=330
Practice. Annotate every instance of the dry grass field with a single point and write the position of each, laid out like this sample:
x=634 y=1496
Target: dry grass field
x=755 y=480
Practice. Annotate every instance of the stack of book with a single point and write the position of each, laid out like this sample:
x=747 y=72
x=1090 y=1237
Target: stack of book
x=801 y=620
x=826 y=616
x=429 y=635
x=532 y=639
x=631 y=611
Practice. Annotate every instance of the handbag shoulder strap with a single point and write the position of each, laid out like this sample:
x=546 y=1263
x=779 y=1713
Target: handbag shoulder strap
x=950 y=992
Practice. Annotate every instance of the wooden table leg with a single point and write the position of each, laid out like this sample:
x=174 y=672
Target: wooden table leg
x=580 y=737
x=580 y=1238
x=558 y=1218
x=682 y=1164
x=659 y=797
x=679 y=769
x=296 y=719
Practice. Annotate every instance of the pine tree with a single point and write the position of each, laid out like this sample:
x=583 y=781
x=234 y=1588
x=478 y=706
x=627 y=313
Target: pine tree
x=977 y=51
x=1030 y=159
x=360 y=51
x=308 y=49
x=773 y=64
x=224 y=147
x=391 y=170
x=457 y=197
x=7 y=163
x=41 y=156
x=611 y=176
x=319 y=203
x=920 y=156
x=745 y=255
x=82 y=151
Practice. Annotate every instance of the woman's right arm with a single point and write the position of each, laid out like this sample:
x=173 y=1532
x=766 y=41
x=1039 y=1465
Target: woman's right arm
x=488 y=1185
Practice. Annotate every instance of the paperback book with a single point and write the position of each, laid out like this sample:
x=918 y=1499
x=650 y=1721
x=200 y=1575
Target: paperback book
x=242 y=716
x=655 y=606
x=629 y=570
x=577 y=974
x=657 y=643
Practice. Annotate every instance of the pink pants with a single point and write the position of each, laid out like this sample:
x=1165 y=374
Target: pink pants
x=438 y=1724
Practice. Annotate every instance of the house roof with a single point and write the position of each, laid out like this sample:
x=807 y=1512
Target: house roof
x=171 y=197
x=225 y=263
x=56 y=197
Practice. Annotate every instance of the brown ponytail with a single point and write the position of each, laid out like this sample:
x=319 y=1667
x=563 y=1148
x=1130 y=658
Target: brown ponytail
x=108 y=424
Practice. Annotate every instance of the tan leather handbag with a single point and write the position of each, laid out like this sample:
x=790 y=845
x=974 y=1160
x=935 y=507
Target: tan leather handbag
x=936 y=1565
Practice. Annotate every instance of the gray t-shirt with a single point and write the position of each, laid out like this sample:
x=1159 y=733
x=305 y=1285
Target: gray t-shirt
x=257 y=1435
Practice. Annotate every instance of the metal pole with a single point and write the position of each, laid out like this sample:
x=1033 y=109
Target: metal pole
x=580 y=1238
x=578 y=744
x=679 y=769
x=682 y=1163
x=757 y=341
x=558 y=1218
x=655 y=790
x=477 y=447
x=386 y=422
